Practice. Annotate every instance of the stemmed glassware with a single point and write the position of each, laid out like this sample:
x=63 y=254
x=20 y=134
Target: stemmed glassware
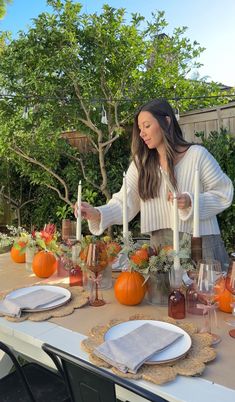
x=96 y=262
x=230 y=285
x=210 y=283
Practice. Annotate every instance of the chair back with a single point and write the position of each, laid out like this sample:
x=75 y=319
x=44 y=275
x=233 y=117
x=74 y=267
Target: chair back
x=25 y=386
x=89 y=383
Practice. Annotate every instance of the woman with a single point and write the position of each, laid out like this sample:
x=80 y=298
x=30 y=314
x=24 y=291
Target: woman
x=158 y=143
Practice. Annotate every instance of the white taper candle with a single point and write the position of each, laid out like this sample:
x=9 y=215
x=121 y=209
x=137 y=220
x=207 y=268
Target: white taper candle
x=196 y=232
x=176 y=231
x=79 y=215
x=125 y=213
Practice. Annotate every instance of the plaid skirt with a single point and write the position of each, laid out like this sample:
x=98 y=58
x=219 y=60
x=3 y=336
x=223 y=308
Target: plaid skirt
x=212 y=245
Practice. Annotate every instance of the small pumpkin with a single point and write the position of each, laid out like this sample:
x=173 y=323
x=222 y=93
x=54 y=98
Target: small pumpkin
x=129 y=288
x=44 y=264
x=225 y=300
x=16 y=254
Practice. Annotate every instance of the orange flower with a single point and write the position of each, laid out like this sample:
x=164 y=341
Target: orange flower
x=113 y=249
x=47 y=237
x=140 y=256
x=167 y=248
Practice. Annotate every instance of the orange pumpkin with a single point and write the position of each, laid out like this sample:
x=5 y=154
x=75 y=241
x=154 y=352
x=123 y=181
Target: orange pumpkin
x=129 y=288
x=44 y=264
x=225 y=299
x=16 y=254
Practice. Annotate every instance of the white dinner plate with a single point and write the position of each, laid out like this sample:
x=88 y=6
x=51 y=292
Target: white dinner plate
x=171 y=353
x=48 y=306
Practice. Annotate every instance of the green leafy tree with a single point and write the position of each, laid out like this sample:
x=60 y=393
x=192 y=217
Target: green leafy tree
x=3 y=6
x=87 y=72
x=222 y=146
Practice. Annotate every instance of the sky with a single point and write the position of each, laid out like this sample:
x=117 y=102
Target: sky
x=209 y=22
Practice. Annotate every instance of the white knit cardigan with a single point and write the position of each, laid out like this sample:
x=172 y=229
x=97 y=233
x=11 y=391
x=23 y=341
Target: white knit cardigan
x=216 y=194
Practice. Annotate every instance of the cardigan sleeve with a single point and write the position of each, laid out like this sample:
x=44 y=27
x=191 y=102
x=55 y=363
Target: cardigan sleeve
x=111 y=213
x=216 y=192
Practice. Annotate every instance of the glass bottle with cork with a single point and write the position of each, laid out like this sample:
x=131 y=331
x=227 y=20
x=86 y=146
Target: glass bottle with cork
x=193 y=300
x=176 y=299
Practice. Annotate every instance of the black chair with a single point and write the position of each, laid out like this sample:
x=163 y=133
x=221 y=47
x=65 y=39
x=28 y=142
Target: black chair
x=31 y=382
x=88 y=383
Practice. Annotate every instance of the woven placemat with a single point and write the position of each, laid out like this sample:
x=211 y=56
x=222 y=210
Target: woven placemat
x=79 y=298
x=192 y=364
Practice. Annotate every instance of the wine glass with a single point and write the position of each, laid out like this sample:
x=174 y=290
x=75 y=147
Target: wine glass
x=210 y=283
x=230 y=285
x=96 y=261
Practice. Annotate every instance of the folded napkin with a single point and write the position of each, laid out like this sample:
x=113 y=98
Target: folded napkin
x=130 y=351
x=32 y=300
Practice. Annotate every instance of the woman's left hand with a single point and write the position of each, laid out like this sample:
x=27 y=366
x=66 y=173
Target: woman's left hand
x=183 y=200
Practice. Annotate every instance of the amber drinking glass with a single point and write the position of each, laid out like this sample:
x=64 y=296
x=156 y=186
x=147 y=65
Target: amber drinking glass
x=96 y=262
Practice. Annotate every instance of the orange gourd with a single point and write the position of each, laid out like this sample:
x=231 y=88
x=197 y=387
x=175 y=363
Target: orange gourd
x=44 y=264
x=16 y=254
x=225 y=299
x=129 y=288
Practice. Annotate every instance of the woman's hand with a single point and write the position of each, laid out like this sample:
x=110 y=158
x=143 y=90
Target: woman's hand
x=88 y=212
x=183 y=200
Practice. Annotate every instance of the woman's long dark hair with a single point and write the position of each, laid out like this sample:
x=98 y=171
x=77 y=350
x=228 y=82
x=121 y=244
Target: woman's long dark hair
x=147 y=160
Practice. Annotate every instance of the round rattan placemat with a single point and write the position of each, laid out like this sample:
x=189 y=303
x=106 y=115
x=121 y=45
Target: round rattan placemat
x=192 y=364
x=79 y=298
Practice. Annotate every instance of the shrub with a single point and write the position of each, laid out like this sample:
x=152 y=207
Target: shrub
x=222 y=146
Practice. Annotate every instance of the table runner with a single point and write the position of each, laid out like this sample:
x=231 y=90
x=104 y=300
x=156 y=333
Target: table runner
x=221 y=371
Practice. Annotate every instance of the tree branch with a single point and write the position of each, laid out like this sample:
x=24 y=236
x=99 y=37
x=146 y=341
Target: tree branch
x=80 y=161
x=26 y=202
x=19 y=152
x=11 y=201
x=104 y=144
x=59 y=194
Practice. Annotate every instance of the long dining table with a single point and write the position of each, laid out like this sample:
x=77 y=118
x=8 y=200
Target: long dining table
x=217 y=382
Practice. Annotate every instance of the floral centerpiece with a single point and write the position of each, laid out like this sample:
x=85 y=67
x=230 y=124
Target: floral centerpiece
x=16 y=241
x=110 y=247
x=43 y=242
x=44 y=262
x=156 y=264
x=146 y=259
x=20 y=238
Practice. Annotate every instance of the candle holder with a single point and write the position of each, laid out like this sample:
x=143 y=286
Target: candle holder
x=196 y=249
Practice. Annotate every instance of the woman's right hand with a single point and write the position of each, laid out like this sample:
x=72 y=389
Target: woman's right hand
x=88 y=212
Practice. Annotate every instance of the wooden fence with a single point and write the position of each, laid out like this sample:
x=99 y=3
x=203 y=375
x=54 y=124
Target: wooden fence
x=207 y=120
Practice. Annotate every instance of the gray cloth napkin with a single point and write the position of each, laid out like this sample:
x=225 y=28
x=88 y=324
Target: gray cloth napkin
x=130 y=351
x=32 y=300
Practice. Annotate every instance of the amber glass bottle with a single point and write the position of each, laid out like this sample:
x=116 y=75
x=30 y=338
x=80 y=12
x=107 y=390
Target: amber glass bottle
x=176 y=299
